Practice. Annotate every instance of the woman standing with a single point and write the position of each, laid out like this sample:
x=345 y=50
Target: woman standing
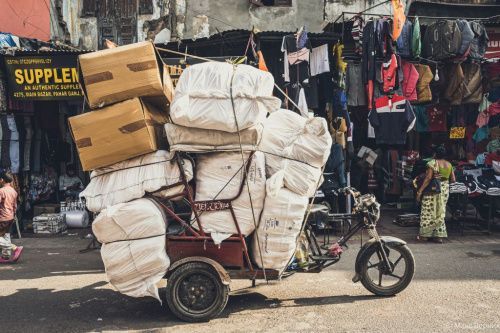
x=432 y=225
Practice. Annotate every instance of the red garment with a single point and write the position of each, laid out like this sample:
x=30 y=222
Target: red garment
x=410 y=79
x=491 y=157
x=389 y=71
x=437 y=118
x=494 y=109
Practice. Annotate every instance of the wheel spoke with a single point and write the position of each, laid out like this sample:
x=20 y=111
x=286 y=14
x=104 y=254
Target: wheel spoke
x=396 y=276
x=380 y=278
x=397 y=261
x=370 y=265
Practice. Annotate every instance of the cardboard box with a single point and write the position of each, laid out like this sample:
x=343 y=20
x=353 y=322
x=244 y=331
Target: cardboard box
x=117 y=132
x=124 y=72
x=45 y=209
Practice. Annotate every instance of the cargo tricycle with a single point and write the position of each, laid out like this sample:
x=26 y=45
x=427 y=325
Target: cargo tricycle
x=201 y=271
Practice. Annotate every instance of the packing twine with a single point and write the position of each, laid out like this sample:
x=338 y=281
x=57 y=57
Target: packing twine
x=256 y=234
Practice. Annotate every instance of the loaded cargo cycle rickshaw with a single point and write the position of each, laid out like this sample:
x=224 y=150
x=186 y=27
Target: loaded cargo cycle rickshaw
x=201 y=271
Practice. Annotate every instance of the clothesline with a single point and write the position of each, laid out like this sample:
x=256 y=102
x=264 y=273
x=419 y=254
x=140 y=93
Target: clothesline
x=207 y=59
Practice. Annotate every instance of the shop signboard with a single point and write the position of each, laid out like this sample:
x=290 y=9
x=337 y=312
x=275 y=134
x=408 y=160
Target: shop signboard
x=42 y=77
x=493 y=50
x=177 y=65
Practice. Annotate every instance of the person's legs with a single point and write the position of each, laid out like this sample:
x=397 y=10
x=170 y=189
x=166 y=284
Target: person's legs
x=5 y=242
x=440 y=229
x=428 y=216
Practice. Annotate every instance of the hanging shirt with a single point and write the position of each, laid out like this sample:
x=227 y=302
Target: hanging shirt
x=319 y=60
x=399 y=18
x=391 y=119
x=302 y=104
x=416 y=43
x=437 y=118
x=422 y=123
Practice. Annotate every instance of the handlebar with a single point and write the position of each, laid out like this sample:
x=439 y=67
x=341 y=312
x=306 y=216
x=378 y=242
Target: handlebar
x=350 y=191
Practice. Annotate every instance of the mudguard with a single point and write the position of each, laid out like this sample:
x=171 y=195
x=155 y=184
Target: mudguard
x=389 y=240
x=224 y=276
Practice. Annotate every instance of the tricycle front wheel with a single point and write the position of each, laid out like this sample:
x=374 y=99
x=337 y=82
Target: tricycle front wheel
x=195 y=292
x=387 y=281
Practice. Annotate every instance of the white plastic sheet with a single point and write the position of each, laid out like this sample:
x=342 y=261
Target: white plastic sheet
x=222 y=172
x=133 y=249
x=279 y=227
x=132 y=179
x=203 y=97
x=187 y=139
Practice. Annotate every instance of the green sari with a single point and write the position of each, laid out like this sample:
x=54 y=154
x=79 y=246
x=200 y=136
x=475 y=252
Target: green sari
x=433 y=212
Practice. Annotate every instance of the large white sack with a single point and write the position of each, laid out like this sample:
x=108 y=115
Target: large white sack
x=222 y=172
x=280 y=224
x=298 y=177
x=202 y=96
x=289 y=135
x=133 y=178
x=133 y=249
x=188 y=139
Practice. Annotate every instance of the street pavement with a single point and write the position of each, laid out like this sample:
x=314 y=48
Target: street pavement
x=456 y=288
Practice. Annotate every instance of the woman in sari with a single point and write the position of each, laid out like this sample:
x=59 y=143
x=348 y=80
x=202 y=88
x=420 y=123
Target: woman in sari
x=432 y=224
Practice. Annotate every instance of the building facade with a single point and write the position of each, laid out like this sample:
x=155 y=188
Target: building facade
x=87 y=23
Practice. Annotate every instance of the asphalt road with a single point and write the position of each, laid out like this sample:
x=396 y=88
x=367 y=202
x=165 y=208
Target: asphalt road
x=456 y=289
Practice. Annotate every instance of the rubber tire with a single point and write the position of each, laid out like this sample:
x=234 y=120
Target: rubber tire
x=399 y=287
x=185 y=270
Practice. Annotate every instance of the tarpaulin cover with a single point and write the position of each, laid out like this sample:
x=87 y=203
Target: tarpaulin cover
x=133 y=249
x=188 y=139
x=132 y=179
x=279 y=227
x=203 y=97
x=222 y=172
x=298 y=146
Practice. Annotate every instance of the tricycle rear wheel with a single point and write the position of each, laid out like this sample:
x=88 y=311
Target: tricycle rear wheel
x=195 y=292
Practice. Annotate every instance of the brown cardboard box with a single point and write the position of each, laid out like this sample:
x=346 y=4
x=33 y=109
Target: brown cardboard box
x=45 y=208
x=124 y=72
x=116 y=133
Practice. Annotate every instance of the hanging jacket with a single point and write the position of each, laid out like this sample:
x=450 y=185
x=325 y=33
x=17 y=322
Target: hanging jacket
x=410 y=79
x=467 y=36
x=404 y=41
x=473 y=83
x=389 y=74
x=391 y=119
x=456 y=87
x=479 y=43
x=425 y=77
x=442 y=40
x=416 y=43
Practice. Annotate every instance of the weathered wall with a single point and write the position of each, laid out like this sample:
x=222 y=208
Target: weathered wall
x=240 y=14
x=82 y=31
x=334 y=8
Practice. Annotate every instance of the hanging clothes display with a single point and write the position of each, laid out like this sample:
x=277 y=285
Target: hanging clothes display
x=391 y=119
x=437 y=117
x=416 y=43
x=398 y=18
x=6 y=133
x=319 y=60
x=425 y=77
x=356 y=96
x=13 y=145
x=410 y=79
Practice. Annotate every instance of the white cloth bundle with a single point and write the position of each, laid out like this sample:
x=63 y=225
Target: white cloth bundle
x=298 y=147
x=132 y=179
x=279 y=227
x=203 y=97
x=188 y=139
x=289 y=135
x=133 y=249
x=223 y=172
